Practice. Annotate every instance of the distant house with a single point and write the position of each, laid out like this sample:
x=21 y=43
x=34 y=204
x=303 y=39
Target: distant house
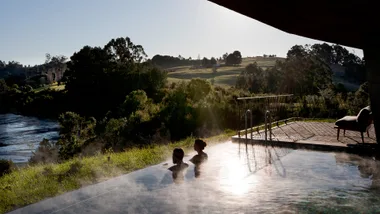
x=55 y=73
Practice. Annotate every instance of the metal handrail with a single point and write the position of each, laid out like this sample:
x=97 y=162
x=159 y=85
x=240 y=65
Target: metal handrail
x=268 y=117
x=246 y=124
x=259 y=127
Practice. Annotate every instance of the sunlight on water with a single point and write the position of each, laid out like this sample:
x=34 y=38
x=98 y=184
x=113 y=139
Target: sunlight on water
x=233 y=177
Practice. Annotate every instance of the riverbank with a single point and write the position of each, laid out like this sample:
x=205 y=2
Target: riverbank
x=34 y=183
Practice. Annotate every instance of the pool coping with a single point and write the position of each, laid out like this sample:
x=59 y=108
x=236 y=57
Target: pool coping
x=365 y=149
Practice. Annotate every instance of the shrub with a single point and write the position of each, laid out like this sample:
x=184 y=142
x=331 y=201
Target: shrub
x=47 y=152
x=5 y=167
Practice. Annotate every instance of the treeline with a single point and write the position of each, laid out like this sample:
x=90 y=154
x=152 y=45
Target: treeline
x=11 y=68
x=34 y=76
x=305 y=71
x=165 y=61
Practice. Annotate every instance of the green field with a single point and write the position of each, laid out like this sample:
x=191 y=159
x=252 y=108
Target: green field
x=53 y=86
x=225 y=76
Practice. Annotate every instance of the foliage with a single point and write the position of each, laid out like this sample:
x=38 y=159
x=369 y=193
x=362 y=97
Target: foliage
x=234 y=58
x=252 y=78
x=213 y=61
x=331 y=103
x=116 y=99
x=5 y=167
x=47 y=152
x=95 y=73
x=3 y=87
x=123 y=51
x=74 y=132
x=165 y=61
x=301 y=73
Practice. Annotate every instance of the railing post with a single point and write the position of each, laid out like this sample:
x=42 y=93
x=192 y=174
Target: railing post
x=246 y=131
x=239 y=120
x=268 y=118
x=246 y=124
x=266 y=126
x=251 y=126
x=270 y=126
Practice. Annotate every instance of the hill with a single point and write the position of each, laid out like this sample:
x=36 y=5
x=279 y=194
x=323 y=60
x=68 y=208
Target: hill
x=225 y=75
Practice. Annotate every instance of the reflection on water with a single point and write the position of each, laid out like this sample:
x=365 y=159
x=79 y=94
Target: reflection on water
x=252 y=179
x=239 y=179
x=20 y=135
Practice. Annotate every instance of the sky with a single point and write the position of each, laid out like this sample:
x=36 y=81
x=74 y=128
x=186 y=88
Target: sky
x=30 y=29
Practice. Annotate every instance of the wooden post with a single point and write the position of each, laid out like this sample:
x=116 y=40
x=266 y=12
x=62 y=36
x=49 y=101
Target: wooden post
x=338 y=134
x=372 y=61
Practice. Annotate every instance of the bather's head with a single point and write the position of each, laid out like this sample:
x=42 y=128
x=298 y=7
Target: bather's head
x=178 y=155
x=199 y=145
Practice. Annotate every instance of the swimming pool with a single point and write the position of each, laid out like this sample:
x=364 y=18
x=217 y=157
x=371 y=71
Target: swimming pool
x=236 y=179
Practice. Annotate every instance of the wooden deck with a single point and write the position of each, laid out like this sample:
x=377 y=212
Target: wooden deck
x=313 y=135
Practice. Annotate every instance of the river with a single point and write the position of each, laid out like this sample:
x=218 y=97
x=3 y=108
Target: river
x=21 y=135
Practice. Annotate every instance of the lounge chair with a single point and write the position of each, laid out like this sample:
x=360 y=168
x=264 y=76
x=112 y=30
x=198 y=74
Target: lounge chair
x=360 y=123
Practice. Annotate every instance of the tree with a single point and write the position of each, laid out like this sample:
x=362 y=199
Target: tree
x=122 y=50
x=3 y=86
x=165 y=61
x=302 y=73
x=324 y=51
x=297 y=51
x=47 y=58
x=213 y=61
x=305 y=74
x=98 y=79
x=339 y=54
x=198 y=89
x=238 y=57
x=2 y=65
x=74 y=131
x=205 y=62
x=355 y=68
x=224 y=57
x=234 y=59
x=251 y=78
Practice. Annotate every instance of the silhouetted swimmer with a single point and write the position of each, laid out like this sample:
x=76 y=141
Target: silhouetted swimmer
x=180 y=166
x=199 y=158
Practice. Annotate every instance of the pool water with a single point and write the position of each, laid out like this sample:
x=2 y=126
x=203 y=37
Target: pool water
x=236 y=179
x=246 y=178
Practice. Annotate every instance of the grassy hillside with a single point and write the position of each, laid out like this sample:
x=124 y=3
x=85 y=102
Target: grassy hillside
x=225 y=76
x=53 y=86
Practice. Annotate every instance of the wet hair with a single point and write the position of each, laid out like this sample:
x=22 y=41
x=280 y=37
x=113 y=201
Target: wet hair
x=178 y=153
x=200 y=143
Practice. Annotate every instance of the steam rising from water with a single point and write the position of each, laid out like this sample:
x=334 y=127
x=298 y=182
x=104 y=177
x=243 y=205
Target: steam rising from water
x=236 y=179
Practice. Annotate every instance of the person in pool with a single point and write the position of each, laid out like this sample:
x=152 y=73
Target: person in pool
x=180 y=166
x=199 y=158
